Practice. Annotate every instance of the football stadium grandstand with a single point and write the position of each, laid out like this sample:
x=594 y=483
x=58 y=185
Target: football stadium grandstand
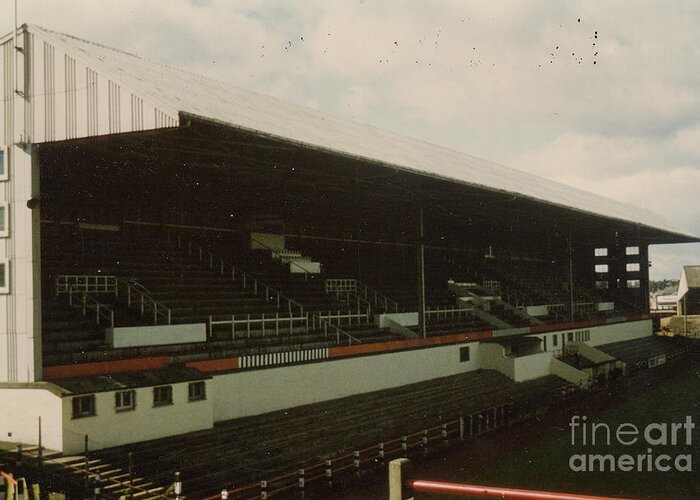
x=198 y=278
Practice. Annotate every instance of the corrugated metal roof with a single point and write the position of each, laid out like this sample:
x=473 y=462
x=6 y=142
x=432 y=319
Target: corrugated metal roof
x=183 y=92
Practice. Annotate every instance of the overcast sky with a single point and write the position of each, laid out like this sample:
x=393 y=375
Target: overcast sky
x=602 y=95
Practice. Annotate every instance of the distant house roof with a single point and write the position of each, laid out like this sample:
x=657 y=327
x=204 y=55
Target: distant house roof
x=178 y=95
x=690 y=278
x=130 y=380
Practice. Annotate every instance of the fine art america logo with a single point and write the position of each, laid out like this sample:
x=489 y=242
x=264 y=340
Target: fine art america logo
x=616 y=437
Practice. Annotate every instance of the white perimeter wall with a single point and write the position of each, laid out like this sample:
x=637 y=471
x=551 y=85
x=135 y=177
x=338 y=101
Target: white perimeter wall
x=111 y=428
x=254 y=392
x=604 y=334
x=134 y=336
x=20 y=410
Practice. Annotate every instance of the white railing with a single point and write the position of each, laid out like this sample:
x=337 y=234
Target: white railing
x=87 y=302
x=339 y=317
x=342 y=285
x=362 y=291
x=83 y=286
x=451 y=314
x=136 y=297
x=85 y=283
x=493 y=286
x=326 y=325
x=267 y=324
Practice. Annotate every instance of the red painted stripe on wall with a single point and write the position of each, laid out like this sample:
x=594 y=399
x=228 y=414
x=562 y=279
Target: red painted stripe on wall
x=105 y=367
x=396 y=345
x=215 y=365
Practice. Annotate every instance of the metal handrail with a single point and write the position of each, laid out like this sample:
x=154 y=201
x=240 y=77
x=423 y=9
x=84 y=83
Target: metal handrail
x=89 y=302
x=84 y=285
x=326 y=324
x=89 y=283
x=364 y=292
x=283 y=321
x=144 y=301
x=246 y=278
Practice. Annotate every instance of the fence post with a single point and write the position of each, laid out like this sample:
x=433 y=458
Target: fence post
x=302 y=480
x=461 y=428
x=329 y=473
x=399 y=470
x=356 y=462
x=177 y=487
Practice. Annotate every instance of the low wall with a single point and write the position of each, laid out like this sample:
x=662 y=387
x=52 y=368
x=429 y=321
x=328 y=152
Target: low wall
x=493 y=358
x=403 y=319
x=245 y=393
x=569 y=373
x=532 y=366
x=20 y=409
x=135 y=336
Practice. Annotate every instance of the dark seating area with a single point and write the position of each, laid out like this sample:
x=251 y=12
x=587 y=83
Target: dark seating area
x=191 y=291
x=250 y=449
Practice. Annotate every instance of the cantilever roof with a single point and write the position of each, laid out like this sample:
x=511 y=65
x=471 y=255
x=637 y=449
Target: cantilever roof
x=184 y=94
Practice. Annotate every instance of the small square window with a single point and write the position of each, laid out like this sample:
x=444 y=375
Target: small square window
x=4 y=220
x=601 y=268
x=4 y=276
x=634 y=284
x=3 y=164
x=463 y=354
x=632 y=267
x=602 y=285
x=632 y=251
x=163 y=395
x=197 y=391
x=600 y=252
x=84 y=406
x=124 y=400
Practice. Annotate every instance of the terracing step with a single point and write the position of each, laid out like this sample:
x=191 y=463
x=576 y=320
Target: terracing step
x=114 y=481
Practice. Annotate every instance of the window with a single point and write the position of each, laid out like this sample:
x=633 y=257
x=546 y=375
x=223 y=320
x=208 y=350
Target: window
x=197 y=391
x=601 y=268
x=570 y=337
x=4 y=220
x=84 y=406
x=632 y=267
x=124 y=400
x=600 y=252
x=3 y=164
x=634 y=283
x=632 y=251
x=555 y=340
x=463 y=354
x=4 y=276
x=163 y=395
x=601 y=285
